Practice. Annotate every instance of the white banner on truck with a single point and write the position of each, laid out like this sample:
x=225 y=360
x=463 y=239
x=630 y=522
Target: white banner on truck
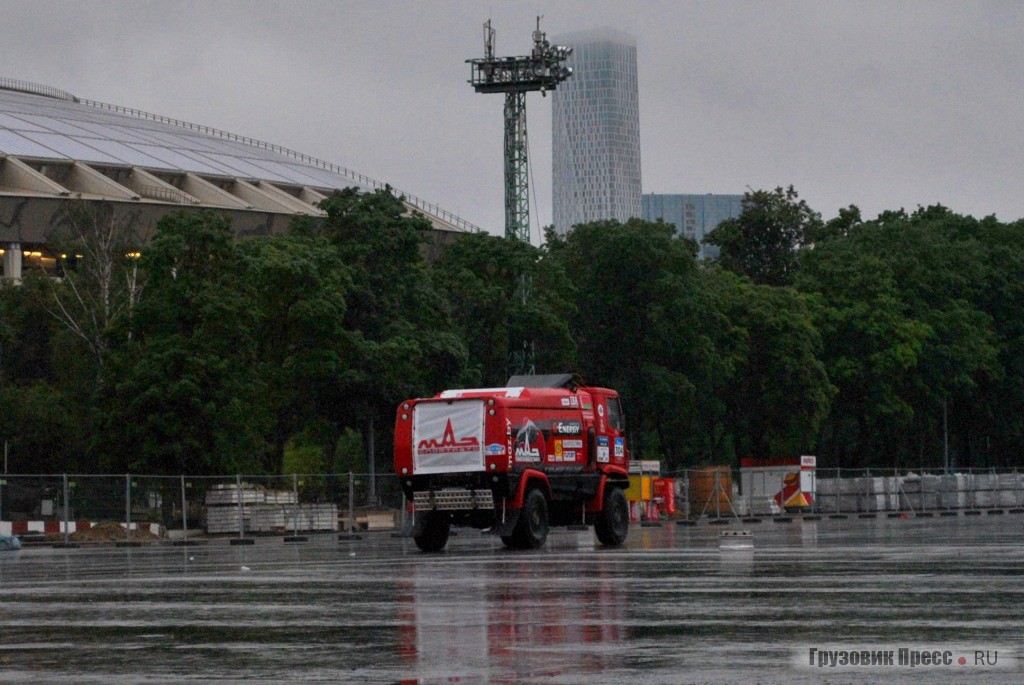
x=448 y=436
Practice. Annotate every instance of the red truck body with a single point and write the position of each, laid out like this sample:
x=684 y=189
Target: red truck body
x=543 y=451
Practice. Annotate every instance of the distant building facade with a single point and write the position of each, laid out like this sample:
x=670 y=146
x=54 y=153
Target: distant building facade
x=596 y=131
x=694 y=216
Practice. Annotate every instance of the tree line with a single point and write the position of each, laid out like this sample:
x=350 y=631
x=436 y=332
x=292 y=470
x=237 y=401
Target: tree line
x=884 y=343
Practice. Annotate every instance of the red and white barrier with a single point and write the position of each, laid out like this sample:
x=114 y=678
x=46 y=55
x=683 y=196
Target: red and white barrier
x=57 y=527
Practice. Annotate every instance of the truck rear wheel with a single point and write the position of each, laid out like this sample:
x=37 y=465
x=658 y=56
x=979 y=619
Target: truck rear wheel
x=612 y=525
x=532 y=527
x=433 y=532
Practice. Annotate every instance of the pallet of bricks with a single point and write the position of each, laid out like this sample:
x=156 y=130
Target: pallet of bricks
x=264 y=511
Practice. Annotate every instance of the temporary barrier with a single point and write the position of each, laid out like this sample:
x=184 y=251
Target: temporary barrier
x=711 y=491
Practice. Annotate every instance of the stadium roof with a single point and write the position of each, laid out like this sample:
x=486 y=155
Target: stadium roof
x=53 y=144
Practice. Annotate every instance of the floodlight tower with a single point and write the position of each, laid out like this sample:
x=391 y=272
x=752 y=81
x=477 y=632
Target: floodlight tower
x=516 y=76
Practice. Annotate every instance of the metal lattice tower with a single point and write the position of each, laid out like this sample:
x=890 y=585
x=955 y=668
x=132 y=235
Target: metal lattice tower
x=516 y=76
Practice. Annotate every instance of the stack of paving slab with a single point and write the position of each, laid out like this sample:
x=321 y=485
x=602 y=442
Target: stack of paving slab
x=915 y=492
x=264 y=511
x=954 y=491
x=990 y=490
x=222 y=510
x=877 y=493
x=761 y=506
x=919 y=493
x=270 y=518
x=837 y=494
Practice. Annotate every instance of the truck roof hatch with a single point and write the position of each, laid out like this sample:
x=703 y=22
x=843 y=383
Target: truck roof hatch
x=570 y=381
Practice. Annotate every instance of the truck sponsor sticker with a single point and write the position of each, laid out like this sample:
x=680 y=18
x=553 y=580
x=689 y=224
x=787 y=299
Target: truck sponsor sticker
x=528 y=443
x=602 y=440
x=495 y=449
x=567 y=428
x=602 y=453
x=448 y=444
x=620 y=447
x=448 y=437
x=565 y=402
x=574 y=401
x=572 y=444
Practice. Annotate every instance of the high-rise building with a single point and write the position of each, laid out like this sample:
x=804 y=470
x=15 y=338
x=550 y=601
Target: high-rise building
x=596 y=131
x=694 y=216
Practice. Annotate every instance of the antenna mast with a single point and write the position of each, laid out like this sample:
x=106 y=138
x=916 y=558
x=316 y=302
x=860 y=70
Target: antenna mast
x=516 y=76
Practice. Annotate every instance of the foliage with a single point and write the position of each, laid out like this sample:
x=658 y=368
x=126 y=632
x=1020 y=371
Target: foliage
x=185 y=398
x=911 y=327
x=402 y=340
x=297 y=285
x=780 y=392
x=483 y=278
x=849 y=339
x=634 y=303
x=100 y=281
x=762 y=243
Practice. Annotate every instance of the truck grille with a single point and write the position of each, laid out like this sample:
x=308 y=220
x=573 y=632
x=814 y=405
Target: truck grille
x=453 y=499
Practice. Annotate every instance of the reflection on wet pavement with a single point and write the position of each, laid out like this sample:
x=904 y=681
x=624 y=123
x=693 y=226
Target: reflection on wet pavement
x=669 y=607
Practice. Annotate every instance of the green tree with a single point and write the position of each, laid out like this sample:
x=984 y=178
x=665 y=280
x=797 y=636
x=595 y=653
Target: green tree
x=100 y=281
x=909 y=331
x=634 y=304
x=403 y=342
x=763 y=242
x=780 y=391
x=482 y=277
x=187 y=390
x=298 y=285
x=43 y=431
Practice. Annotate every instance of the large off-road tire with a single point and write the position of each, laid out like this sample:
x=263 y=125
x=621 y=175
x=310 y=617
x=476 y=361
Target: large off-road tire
x=612 y=525
x=433 y=532
x=532 y=527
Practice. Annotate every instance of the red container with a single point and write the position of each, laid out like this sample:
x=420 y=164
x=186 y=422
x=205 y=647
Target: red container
x=669 y=495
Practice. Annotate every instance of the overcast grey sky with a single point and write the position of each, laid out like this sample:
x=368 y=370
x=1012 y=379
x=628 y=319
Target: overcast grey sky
x=879 y=104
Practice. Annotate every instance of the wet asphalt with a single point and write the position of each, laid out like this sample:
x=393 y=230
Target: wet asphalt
x=671 y=606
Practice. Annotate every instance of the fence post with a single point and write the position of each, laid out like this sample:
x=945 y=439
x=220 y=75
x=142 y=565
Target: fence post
x=184 y=508
x=351 y=502
x=65 y=508
x=839 y=488
x=238 y=494
x=127 y=506
x=2 y=484
x=295 y=507
x=1016 y=486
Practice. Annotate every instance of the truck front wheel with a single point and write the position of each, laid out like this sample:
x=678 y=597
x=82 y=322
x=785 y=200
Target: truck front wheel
x=532 y=527
x=433 y=532
x=612 y=525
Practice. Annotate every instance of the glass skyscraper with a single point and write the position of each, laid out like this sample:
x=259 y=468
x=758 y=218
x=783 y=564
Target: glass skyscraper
x=694 y=216
x=596 y=131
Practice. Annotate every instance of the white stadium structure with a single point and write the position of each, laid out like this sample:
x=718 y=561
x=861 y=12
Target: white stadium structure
x=56 y=148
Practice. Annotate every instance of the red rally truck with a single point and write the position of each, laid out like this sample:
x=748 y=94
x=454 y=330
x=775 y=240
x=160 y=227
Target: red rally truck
x=543 y=451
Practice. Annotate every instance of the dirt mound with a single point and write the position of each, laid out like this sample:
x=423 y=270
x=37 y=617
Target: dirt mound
x=108 y=531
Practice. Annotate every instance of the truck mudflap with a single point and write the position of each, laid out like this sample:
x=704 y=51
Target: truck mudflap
x=505 y=523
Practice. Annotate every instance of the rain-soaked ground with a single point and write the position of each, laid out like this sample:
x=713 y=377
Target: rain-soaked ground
x=669 y=607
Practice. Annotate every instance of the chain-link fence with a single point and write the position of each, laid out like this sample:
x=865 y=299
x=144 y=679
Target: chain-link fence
x=134 y=507
x=131 y=507
x=722 y=491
